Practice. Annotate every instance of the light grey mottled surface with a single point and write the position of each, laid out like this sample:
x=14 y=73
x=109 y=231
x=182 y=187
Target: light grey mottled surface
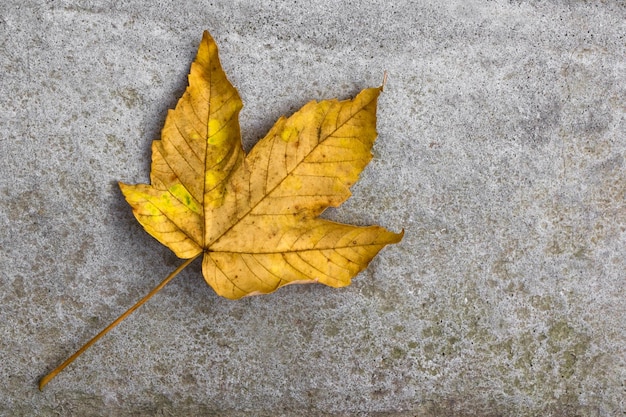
x=501 y=152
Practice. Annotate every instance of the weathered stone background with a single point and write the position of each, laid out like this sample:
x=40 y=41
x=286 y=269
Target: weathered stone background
x=501 y=152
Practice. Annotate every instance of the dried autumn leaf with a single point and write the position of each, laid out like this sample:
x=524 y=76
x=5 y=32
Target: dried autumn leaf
x=254 y=217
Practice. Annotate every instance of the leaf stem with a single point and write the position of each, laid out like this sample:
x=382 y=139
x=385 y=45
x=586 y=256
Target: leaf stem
x=48 y=378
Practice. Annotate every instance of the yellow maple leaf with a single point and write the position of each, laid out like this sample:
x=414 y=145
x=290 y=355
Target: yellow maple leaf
x=254 y=216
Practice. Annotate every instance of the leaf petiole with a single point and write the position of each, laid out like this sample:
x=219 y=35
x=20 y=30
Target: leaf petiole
x=48 y=378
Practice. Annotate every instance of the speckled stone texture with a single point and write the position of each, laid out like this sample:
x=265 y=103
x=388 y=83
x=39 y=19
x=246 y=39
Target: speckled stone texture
x=501 y=152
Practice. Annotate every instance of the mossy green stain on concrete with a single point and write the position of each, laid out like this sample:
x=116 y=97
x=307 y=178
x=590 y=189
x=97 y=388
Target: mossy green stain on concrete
x=568 y=361
x=560 y=331
x=331 y=330
x=432 y=332
x=397 y=353
x=567 y=345
x=542 y=303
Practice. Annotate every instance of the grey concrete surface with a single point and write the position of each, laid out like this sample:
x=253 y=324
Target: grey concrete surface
x=501 y=152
